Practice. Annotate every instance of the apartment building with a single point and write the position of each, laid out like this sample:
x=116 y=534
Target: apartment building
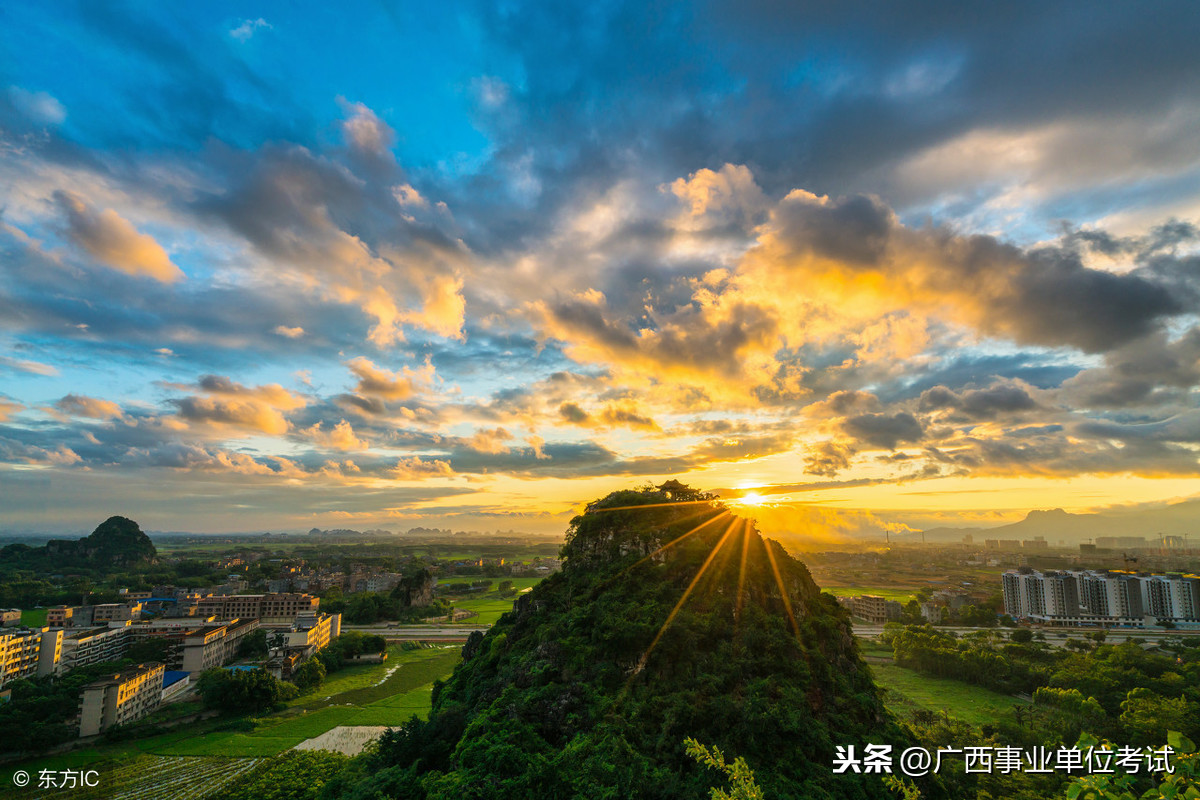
x=314 y=631
x=116 y=612
x=1108 y=597
x=120 y=699
x=871 y=608
x=94 y=646
x=213 y=645
x=288 y=605
x=28 y=653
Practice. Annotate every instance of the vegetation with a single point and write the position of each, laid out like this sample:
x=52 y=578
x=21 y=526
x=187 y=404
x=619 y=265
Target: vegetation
x=1120 y=693
x=295 y=775
x=41 y=711
x=647 y=636
x=241 y=690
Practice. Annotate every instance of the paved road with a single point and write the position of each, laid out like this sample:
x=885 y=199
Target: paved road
x=1054 y=636
x=418 y=631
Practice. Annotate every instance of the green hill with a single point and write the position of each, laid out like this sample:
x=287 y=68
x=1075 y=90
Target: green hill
x=117 y=541
x=671 y=618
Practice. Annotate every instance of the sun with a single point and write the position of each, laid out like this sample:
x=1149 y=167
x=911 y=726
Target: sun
x=751 y=499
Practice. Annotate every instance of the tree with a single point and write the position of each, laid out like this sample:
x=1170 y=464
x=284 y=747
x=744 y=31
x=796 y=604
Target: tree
x=253 y=645
x=243 y=689
x=1022 y=636
x=309 y=675
x=149 y=650
x=1146 y=716
x=740 y=776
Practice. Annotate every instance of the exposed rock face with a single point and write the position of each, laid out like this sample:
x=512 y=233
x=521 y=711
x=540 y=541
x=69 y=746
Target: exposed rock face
x=416 y=589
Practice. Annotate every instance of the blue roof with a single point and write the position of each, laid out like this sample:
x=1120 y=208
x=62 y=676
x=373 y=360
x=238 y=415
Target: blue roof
x=242 y=667
x=173 y=676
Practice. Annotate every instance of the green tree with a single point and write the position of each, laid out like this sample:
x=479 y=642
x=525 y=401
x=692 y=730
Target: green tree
x=739 y=774
x=309 y=675
x=1147 y=716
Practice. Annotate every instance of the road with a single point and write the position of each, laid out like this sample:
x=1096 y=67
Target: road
x=1054 y=636
x=419 y=632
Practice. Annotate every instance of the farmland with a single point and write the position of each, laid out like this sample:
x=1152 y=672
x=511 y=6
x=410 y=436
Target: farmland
x=384 y=694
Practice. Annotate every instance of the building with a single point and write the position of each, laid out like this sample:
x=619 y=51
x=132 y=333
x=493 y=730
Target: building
x=872 y=608
x=70 y=616
x=284 y=606
x=10 y=616
x=121 y=699
x=94 y=646
x=28 y=653
x=116 y=612
x=176 y=684
x=314 y=631
x=213 y=645
x=1101 y=597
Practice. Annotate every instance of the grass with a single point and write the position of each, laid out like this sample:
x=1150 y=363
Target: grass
x=902 y=595
x=370 y=696
x=34 y=617
x=358 y=695
x=911 y=690
x=489 y=607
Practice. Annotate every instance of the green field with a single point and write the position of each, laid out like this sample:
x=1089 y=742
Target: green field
x=385 y=694
x=374 y=694
x=909 y=691
x=902 y=595
x=490 y=607
x=34 y=617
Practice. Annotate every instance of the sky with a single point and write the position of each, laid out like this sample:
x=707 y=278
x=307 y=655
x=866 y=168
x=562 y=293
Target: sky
x=274 y=266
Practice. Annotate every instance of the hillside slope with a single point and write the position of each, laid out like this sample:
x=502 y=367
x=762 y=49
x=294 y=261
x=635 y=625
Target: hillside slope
x=589 y=687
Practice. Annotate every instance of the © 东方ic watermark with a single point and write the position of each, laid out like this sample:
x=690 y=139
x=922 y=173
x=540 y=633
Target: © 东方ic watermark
x=58 y=779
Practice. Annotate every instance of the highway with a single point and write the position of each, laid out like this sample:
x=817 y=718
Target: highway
x=419 y=632
x=1054 y=636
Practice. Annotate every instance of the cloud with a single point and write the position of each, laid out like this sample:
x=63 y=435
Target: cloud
x=227 y=403
x=413 y=469
x=828 y=458
x=83 y=406
x=290 y=333
x=996 y=400
x=571 y=412
x=855 y=255
x=8 y=408
x=884 y=431
x=341 y=437
x=110 y=239
x=40 y=107
x=367 y=134
x=385 y=384
x=491 y=441
x=335 y=227
x=30 y=367
x=248 y=27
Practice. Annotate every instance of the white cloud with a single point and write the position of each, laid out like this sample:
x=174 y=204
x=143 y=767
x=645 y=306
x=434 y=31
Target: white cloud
x=248 y=28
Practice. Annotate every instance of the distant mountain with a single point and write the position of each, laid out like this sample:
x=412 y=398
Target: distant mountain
x=118 y=541
x=1178 y=519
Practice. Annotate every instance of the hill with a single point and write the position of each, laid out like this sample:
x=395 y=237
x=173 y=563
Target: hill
x=1177 y=519
x=117 y=541
x=671 y=618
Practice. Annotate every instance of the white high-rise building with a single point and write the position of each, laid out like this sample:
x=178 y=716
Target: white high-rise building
x=1101 y=597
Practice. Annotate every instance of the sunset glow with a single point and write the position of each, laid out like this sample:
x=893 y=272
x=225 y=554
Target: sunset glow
x=381 y=267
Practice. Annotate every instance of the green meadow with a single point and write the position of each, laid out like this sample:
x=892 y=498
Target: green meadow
x=911 y=691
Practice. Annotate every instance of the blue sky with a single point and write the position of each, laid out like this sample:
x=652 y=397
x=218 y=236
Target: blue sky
x=379 y=264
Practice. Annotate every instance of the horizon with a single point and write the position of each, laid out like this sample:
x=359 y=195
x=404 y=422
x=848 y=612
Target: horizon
x=475 y=267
